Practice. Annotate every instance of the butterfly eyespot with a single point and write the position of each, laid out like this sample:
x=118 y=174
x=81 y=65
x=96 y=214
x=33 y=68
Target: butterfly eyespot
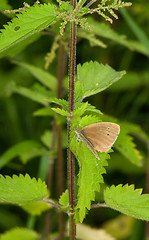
x=108 y=134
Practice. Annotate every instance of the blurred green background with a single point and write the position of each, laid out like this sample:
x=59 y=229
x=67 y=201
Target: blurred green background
x=127 y=100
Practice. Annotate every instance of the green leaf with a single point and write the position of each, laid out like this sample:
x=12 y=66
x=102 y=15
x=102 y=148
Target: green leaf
x=84 y=9
x=27 y=23
x=137 y=30
x=43 y=112
x=41 y=75
x=62 y=102
x=20 y=46
x=25 y=150
x=127 y=200
x=89 y=119
x=78 y=92
x=91 y=38
x=61 y=112
x=105 y=31
x=90 y=176
x=89 y=108
x=19 y=233
x=64 y=200
x=124 y=143
x=81 y=109
x=95 y=77
x=136 y=130
x=32 y=94
x=65 y=6
x=47 y=136
x=21 y=189
x=35 y=208
x=91 y=169
x=127 y=147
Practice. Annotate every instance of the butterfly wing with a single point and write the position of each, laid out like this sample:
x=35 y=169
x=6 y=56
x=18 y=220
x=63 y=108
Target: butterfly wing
x=102 y=135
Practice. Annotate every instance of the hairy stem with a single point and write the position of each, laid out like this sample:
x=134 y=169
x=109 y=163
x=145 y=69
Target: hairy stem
x=99 y=205
x=71 y=163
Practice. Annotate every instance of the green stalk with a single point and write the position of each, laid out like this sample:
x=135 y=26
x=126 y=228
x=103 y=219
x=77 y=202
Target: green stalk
x=71 y=162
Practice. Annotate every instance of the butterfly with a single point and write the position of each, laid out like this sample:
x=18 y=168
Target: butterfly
x=98 y=136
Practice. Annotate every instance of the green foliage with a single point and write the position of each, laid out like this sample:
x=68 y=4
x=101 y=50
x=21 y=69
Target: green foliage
x=19 y=233
x=47 y=79
x=125 y=143
x=61 y=102
x=43 y=112
x=91 y=38
x=140 y=34
x=35 y=208
x=89 y=108
x=21 y=189
x=109 y=8
x=38 y=94
x=66 y=13
x=94 y=78
x=61 y=112
x=25 y=150
x=91 y=170
x=64 y=200
x=33 y=20
x=105 y=31
x=65 y=6
x=84 y=121
x=80 y=110
x=126 y=147
x=46 y=139
x=128 y=201
x=90 y=177
x=136 y=130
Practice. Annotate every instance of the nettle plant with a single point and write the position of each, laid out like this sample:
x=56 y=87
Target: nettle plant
x=90 y=78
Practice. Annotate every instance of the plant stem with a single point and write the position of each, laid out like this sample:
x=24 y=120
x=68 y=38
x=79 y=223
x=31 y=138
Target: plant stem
x=90 y=3
x=99 y=205
x=71 y=163
x=60 y=175
x=56 y=205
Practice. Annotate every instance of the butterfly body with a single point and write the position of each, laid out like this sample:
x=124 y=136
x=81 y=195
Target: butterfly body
x=98 y=136
x=80 y=136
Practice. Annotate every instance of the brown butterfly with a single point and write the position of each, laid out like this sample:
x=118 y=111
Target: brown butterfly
x=98 y=136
